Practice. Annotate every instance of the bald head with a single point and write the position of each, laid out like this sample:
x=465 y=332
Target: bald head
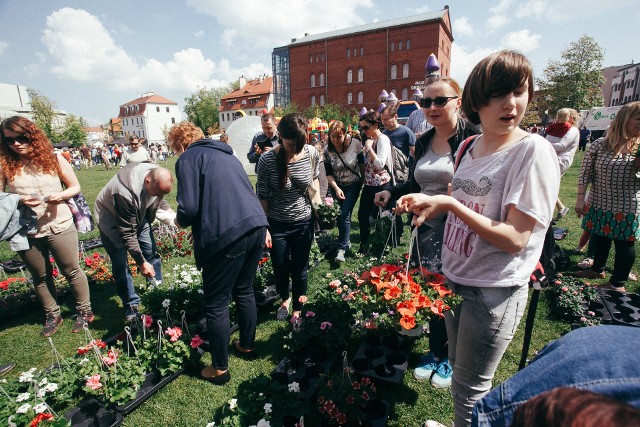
x=158 y=182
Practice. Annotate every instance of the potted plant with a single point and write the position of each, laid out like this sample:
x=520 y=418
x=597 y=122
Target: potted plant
x=570 y=299
x=327 y=211
x=180 y=291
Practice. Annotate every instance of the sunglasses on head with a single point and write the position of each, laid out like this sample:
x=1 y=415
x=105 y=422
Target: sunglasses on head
x=439 y=101
x=22 y=139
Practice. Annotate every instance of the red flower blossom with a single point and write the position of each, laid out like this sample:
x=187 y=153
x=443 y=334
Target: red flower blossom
x=174 y=333
x=88 y=262
x=39 y=418
x=365 y=395
x=96 y=255
x=196 y=341
x=392 y=292
x=55 y=272
x=341 y=418
x=408 y=322
x=355 y=385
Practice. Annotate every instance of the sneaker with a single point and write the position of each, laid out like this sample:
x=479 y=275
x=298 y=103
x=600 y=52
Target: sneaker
x=340 y=256
x=585 y=263
x=589 y=274
x=562 y=213
x=442 y=375
x=364 y=249
x=83 y=318
x=51 y=325
x=131 y=313
x=428 y=365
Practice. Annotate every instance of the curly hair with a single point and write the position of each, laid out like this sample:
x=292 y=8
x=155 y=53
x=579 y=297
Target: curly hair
x=183 y=134
x=40 y=149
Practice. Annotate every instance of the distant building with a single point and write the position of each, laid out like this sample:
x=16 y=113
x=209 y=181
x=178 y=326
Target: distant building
x=250 y=99
x=115 y=128
x=14 y=101
x=96 y=134
x=149 y=116
x=350 y=67
x=624 y=85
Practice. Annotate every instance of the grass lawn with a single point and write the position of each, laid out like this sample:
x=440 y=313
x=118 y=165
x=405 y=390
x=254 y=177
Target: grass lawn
x=189 y=401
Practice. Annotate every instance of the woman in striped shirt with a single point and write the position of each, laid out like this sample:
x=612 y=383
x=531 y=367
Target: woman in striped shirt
x=284 y=174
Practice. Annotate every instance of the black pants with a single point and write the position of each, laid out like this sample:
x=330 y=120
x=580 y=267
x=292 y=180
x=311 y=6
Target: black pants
x=367 y=206
x=582 y=145
x=623 y=261
x=230 y=274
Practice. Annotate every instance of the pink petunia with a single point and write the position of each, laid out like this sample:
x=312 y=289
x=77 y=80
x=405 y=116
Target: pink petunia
x=94 y=382
x=111 y=357
x=174 y=333
x=328 y=201
x=196 y=341
x=326 y=325
x=310 y=314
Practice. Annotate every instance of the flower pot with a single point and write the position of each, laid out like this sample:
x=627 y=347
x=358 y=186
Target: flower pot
x=415 y=332
x=377 y=413
x=90 y=413
x=152 y=383
x=327 y=224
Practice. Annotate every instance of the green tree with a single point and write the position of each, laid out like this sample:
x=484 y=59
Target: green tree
x=73 y=131
x=43 y=112
x=289 y=108
x=575 y=80
x=202 y=107
x=327 y=112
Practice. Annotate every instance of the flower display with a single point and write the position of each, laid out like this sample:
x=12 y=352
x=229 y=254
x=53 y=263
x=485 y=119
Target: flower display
x=98 y=267
x=179 y=290
x=172 y=242
x=570 y=299
x=344 y=400
x=328 y=210
x=264 y=275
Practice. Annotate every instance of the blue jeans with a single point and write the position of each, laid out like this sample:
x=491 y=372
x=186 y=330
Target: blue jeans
x=120 y=264
x=351 y=193
x=479 y=331
x=231 y=273
x=602 y=359
x=291 y=244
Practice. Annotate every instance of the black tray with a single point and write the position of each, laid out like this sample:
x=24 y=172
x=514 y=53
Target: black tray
x=624 y=308
x=384 y=359
x=152 y=383
x=90 y=413
x=13 y=266
x=305 y=368
x=266 y=297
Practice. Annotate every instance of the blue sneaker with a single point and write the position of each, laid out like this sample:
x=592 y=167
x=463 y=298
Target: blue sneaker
x=428 y=365
x=442 y=375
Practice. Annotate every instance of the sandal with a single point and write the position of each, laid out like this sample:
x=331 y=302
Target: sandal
x=282 y=313
x=585 y=263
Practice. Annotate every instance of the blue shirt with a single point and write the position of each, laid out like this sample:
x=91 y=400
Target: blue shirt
x=402 y=138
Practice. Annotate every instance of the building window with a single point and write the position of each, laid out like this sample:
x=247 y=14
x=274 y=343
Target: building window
x=349 y=98
x=157 y=109
x=167 y=109
x=321 y=99
x=313 y=80
x=405 y=94
x=313 y=100
x=322 y=56
x=400 y=45
x=173 y=120
x=310 y=59
x=361 y=50
x=360 y=75
x=394 y=72
x=349 y=76
x=405 y=71
x=348 y=53
x=316 y=57
x=360 y=97
x=322 y=79
x=408 y=44
x=393 y=46
x=354 y=52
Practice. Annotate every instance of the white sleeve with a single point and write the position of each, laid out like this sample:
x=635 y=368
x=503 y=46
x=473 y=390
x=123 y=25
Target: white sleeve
x=383 y=152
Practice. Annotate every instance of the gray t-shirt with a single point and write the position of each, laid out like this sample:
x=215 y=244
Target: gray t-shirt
x=434 y=173
x=525 y=175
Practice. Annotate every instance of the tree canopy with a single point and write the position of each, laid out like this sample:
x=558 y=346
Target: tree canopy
x=575 y=80
x=202 y=107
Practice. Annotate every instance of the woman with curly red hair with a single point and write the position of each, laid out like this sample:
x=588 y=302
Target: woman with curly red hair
x=29 y=167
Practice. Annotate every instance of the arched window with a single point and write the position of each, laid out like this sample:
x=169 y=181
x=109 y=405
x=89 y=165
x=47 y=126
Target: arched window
x=313 y=80
x=360 y=75
x=316 y=57
x=321 y=99
x=405 y=71
x=321 y=79
x=360 y=97
x=394 y=71
x=405 y=94
x=393 y=46
x=400 y=45
x=313 y=100
x=348 y=52
x=310 y=59
x=408 y=44
x=354 y=53
x=349 y=76
x=349 y=98
x=361 y=50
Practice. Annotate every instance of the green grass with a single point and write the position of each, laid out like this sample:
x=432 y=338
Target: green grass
x=188 y=401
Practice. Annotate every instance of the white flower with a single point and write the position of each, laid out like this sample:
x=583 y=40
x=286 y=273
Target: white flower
x=84 y=361
x=166 y=303
x=41 y=392
x=22 y=397
x=211 y=424
x=26 y=377
x=186 y=302
x=23 y=409
x=294 y=387
x=158 y=282
x=233 y=403
x=200 y=291
x=40 y=408
x=43 y=382
x=267 y=408
x=51 y=387
x=183 y=286
x=263 y=423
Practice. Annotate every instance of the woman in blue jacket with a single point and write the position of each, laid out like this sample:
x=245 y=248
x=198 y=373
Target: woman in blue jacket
x=229 y=231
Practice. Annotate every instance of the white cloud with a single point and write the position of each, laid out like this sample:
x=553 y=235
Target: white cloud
x=521 y=40
x=3 y=46
x=198 y=34
x=497 y=21
x=463 y=27
x=276 y=23
x=81 y=49
x=228 y=36
x=420 y=10
x=501 y=7
x=463 y=61
x=566 y=10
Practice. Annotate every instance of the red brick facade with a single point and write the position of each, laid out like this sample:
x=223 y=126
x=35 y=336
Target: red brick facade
x=373 y=54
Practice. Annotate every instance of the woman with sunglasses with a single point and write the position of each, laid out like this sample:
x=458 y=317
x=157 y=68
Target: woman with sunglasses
x=431 y=174
x=378 y=166
x=45 y=182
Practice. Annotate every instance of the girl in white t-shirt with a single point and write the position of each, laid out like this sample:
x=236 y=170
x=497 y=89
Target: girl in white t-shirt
x=500 y=205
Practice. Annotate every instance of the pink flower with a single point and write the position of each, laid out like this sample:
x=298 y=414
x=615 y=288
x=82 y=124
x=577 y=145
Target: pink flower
x=111 y=357
x=335 y=284
x=565 y=289
x=196 y=341
x=174 y=333
x=296 y=320
x=328 y=201
x=325 y=325
x=148 y=320
x=94 y=382
x=310 y=314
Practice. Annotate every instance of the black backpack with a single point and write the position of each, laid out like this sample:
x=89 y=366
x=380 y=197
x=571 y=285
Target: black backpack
x=400 y=165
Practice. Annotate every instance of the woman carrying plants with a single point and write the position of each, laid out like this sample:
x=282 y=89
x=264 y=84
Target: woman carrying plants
x=610 y=167
x=344 y=163
x=378 y=169
x=284 y=176
x=45 y=182
x=229 y=231
x=431 y=174
x=502 y=198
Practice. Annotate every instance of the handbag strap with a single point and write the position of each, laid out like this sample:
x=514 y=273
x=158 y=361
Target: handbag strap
x=464 y=147
x=344 y=164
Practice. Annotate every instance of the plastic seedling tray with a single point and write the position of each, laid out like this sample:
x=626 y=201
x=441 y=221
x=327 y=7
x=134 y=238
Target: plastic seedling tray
x=152 y=384
x=90 y=413
x=624 y=308
x=384 y=360
x=305 y=368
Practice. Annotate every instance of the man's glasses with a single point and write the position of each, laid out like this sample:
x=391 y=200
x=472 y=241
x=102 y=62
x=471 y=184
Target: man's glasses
x=365 y=127
x=439 y=101
x=19 y=139
x=134 y=145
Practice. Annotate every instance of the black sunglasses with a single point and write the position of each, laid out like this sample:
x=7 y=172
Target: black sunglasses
x=22 y=139
x=134 y=145
x=365 y=127
x=439 y=101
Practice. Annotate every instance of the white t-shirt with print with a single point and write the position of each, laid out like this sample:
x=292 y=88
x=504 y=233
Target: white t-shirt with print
x=525 y=175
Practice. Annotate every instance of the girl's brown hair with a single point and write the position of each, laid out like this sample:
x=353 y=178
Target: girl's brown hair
x=616 y=136
x=292 y=126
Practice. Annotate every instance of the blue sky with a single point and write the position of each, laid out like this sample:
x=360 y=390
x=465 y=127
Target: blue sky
x=89 y=57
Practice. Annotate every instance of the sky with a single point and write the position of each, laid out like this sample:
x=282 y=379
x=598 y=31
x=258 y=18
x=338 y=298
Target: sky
x=90 y=57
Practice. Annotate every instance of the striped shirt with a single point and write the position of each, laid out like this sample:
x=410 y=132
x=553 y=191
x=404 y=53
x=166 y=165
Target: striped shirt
x=291 y=203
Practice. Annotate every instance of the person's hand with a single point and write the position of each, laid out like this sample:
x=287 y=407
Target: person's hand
x=368 y=144
x=267 y=149
x=147 y=270
x=32 y=200
x=581 y=207
x=267 y=240
x=339 y=193
x=382 y=198
x=424 y=207
x=55 y=199
x=258 y=150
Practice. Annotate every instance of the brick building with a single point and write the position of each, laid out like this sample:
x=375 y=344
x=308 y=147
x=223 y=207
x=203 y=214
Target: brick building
x=352 y=66
x=249 y=99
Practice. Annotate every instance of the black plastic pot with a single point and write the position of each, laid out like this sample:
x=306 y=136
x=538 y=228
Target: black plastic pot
x=152 y=384
x=90 y=413
x=386 y=362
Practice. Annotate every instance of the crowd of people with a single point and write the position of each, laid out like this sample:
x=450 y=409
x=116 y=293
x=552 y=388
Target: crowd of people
x=481 y=190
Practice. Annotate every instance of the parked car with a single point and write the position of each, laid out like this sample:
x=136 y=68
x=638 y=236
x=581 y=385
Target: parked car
x=405 y=108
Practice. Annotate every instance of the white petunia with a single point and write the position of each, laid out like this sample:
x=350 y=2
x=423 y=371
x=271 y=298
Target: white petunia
x=166 y=303
x=294 y=387
x=211 y=424
x=23 y=409
x=22 y=397
x=43 y=382
x=263 y=423
x=200 y=291
x=51 y=387
x=40 y=408
x=267 y=408
x=233 y=403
